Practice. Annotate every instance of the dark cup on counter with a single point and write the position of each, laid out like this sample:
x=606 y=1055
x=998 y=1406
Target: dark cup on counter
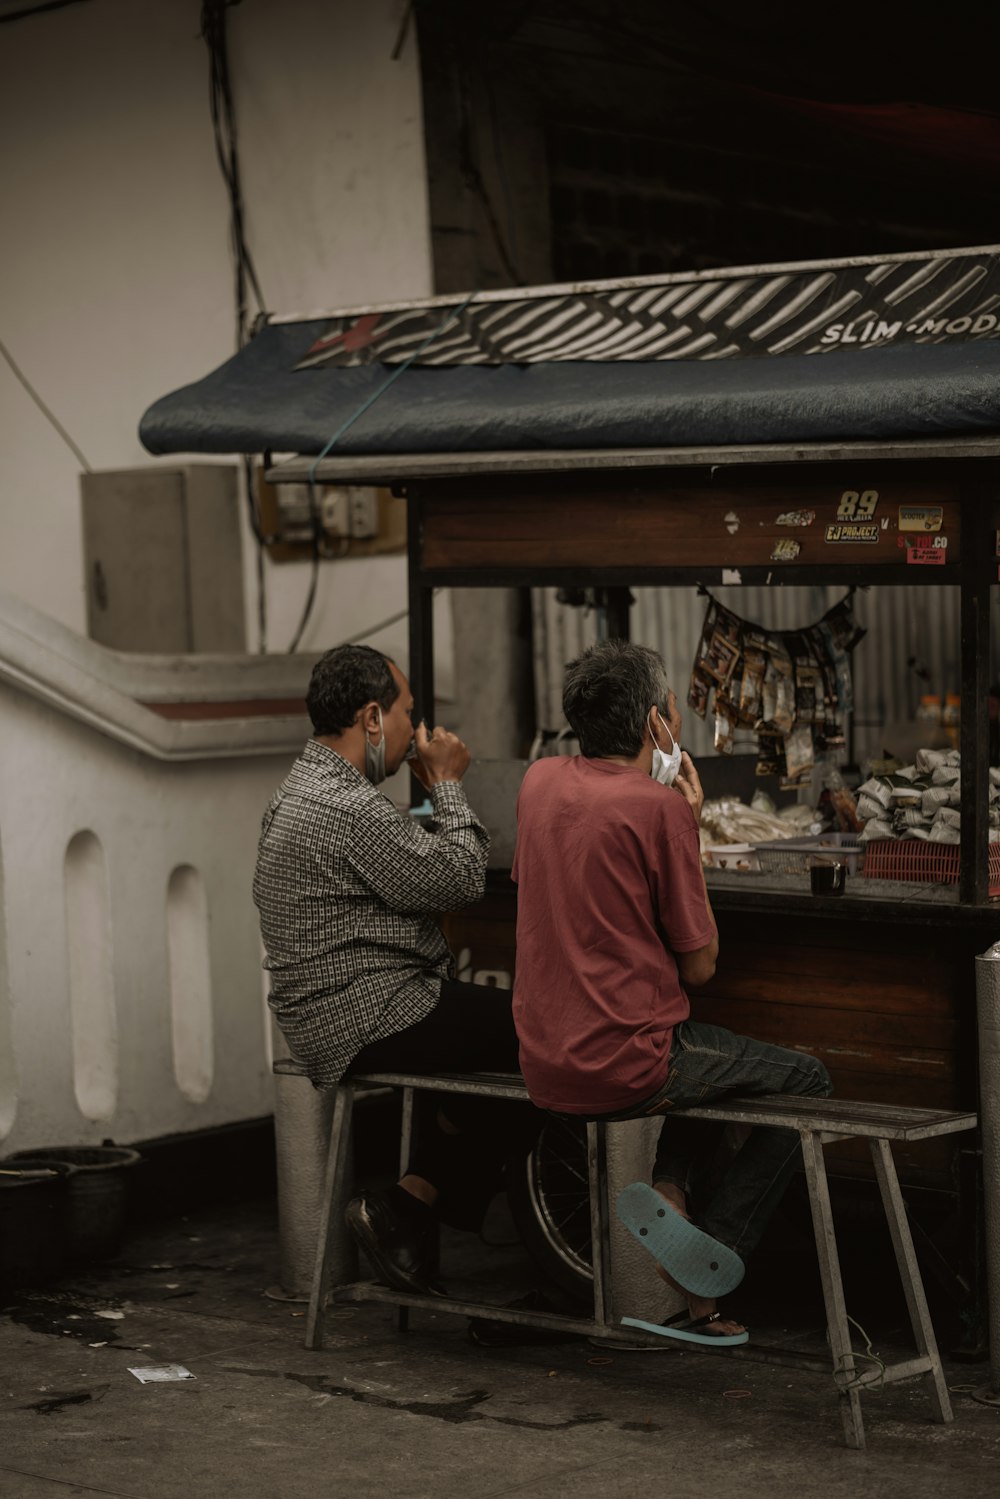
x=827 y=876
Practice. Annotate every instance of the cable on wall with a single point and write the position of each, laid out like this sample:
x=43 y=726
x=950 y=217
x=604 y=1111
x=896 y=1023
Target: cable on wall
x=213 y=30
x=245 y=280
x=366 y=405
x=50 y=416
x=36 y=10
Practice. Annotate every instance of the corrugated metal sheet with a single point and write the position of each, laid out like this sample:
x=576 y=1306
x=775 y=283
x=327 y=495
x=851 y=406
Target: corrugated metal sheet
x=910 y=630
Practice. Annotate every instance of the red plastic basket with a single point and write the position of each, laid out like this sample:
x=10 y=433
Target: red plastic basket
x=925 y=863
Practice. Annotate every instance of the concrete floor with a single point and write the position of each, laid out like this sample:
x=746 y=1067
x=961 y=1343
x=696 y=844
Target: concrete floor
x=426 y=1415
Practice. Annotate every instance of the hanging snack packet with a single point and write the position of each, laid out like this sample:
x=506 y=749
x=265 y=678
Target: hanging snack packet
x=701 y=683
x=770 y=755
x=843 y=627
x=723 y=649
x=808 y=692
x=799 y=754
x=723 y=729
x=783 y=716
x=769 y=695
x=698 y=689
x=750 y=702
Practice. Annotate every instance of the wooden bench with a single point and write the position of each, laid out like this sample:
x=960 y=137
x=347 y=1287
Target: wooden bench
x=818 y=1122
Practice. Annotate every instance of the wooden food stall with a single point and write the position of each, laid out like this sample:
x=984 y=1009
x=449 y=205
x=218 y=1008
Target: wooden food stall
x=879 y=983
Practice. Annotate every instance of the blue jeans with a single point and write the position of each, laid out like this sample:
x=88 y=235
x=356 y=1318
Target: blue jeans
x=707 y=1062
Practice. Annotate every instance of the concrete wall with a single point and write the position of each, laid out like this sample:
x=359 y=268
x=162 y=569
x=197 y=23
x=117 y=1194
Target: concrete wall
x=133 y=1003
x=131 y=993
x=117 y=280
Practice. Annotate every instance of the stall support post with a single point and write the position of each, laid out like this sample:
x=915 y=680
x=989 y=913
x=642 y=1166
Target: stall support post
x=974 y=732
x=988 y=1008
x=421 y=623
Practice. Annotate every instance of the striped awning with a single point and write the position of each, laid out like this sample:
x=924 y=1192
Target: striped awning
x=653 y=362
x=804 y=308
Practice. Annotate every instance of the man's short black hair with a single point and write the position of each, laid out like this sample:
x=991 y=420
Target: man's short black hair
x=343 y=681
x=607 y=695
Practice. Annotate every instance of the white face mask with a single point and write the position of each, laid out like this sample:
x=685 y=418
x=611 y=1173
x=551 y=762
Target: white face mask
x=375 y=755
x=665 y=767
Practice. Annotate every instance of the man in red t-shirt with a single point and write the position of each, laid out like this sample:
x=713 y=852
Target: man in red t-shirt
x=614 y=925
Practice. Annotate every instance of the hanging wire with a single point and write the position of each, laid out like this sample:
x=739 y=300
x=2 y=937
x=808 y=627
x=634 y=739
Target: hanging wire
x=345 y=426
x=36 y=10
x=213 y=31
x=851 y=1379
x=48 y=415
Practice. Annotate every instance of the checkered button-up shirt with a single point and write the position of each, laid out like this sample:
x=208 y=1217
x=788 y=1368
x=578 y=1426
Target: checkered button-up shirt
x=346 y=886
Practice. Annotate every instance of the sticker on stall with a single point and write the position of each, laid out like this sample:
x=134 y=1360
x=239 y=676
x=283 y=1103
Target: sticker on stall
x=923 y=543
x=796 y=518
x=853 y=531
x=921 y=517
x=786 y=549
x=857 y=504
x=926 y=555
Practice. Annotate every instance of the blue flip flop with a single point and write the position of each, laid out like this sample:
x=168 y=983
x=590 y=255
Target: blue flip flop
x=696 y=1261
x=684 y=1330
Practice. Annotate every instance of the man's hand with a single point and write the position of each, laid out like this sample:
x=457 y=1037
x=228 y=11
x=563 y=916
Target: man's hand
x=689 y=785
x=440 y=756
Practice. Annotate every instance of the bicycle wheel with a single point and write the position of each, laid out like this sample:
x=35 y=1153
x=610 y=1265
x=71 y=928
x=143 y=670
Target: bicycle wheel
x=550 y=1203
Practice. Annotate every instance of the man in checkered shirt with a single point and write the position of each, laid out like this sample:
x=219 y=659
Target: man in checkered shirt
x=347 y=887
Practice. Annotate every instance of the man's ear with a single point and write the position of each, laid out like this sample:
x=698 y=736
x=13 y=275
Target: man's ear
x=369 y=718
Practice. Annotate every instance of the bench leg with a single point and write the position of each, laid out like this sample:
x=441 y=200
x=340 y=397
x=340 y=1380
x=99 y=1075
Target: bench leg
x=333 y=1193
x=405 y=1130
x=405 y=1151
x=600 y=1225
x=909 y=1274
x=833 y=1288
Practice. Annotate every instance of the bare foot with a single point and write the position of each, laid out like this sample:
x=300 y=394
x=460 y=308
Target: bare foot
x=698 y=1306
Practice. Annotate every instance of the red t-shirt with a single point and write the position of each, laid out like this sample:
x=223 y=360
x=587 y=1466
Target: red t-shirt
x=610 y=886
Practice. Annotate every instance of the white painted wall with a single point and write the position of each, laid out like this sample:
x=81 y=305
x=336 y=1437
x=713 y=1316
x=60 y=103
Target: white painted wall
x=97 y=1041
x=117 y=282
x=131 y=992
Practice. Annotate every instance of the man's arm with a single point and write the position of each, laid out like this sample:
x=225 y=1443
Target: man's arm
x=695 y=965
x=411 y=869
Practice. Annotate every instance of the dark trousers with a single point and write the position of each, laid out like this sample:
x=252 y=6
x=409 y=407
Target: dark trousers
x=708 y=1062
x=469 y=1030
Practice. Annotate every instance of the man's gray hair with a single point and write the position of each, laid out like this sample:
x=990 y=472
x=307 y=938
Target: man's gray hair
x=607 y=695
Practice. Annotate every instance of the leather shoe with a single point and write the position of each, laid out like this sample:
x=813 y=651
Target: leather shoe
x=399 y=1241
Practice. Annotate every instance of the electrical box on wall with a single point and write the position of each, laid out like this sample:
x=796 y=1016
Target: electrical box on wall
x=342 y=520
x=162 y=558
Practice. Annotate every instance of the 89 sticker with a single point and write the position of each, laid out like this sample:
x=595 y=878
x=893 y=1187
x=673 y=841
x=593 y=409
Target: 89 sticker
x=857 y=504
